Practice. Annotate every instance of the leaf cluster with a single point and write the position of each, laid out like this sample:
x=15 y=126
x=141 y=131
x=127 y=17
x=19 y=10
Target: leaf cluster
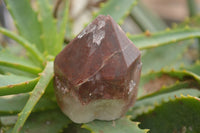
x=168 y=97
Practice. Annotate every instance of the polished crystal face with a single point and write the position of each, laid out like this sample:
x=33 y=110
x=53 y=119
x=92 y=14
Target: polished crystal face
x=97 y=74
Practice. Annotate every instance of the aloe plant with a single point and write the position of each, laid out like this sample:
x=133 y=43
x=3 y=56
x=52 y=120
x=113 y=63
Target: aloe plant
x=168 y=97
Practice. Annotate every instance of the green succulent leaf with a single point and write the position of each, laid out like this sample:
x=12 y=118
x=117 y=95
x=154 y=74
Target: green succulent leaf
x=36 y=94
x=161 y=108
x=167 y=80
x=170 y=88
x=69 y=30
x=26 y=44
x=26 y=21
x=8 y=59
x=117 y=9
x=147 y=41
x=64 y=23
x=52 y=121
x=192 y=22
x=147 y=20
x=143 y=105
x=164 y=81
x=192 y=6
x=13 y=104
x=8 y=120
x=15 y=84
x=177 y=115
x=195 y=68
x=186 y=71
x=159 y=58
x=75 y=128
x=123 y=125
x=49 y=27
x=182 y=73
x=33 y=70
x=5 y=70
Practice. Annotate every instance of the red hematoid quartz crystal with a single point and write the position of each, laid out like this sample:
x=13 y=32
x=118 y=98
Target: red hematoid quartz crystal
x=97 y=74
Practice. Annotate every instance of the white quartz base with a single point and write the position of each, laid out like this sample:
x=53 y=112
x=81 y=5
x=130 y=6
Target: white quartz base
x=107 y=109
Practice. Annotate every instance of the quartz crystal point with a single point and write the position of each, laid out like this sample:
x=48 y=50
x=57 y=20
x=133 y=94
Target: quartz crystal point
x=97 y=74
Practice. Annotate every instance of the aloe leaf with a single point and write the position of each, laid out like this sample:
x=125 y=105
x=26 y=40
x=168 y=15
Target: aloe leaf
x=171 y=88
x=193 y=22
x=195 y=68
x=180 y=74
x=64 y=23
x=4 y=70
x=192 y=7
x=52 y=121
x=49 y=27
x=13 y=104
x=184 y=73
x=159 y=58
x=144 y=105
x=156 y=81
x=117 y=9
x=20 y=67
x=26 y=44
x=145 y=79
x=37 y=92
x=26 y=21
x=15 y=84
x=75 y=128
x=146 y=20
x=163 y=38
x=8 y=120
x=123 y=125
x=69 y=27
x=10 y=60
x=178 y=115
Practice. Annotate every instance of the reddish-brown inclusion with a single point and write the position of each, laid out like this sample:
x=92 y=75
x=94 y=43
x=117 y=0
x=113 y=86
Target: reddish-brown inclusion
x=99 y=71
